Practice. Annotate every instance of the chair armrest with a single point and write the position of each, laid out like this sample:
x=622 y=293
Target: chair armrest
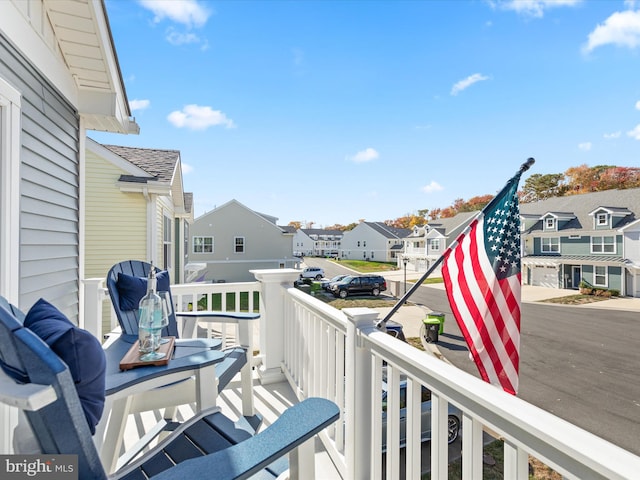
x=117 y=380
x=296 y=425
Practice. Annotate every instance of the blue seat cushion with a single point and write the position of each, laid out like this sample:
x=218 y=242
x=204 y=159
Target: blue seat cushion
x=131 y=289
x=79 y=349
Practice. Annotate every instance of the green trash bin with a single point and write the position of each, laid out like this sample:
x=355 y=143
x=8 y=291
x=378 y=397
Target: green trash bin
x=440 y=317
x=431 y=328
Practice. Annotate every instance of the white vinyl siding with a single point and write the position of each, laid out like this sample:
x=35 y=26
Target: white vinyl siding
x=49 y=155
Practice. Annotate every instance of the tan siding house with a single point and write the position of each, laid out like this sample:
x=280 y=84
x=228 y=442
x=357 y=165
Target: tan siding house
x=134 y=204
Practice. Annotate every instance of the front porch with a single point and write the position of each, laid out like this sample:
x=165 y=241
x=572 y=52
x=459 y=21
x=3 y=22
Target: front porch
x=306 y=348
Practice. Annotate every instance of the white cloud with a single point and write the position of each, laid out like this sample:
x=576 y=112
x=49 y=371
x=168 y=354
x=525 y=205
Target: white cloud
x=177 y=38
x=196 y=117
x=585 y=146
x=189 y=13
x=467 y=82
x=139 y=104
x=638 y=105
x=533 y=8
x=432 y=187
x=186 y=168
x=621 y=29
x=613 y=135
x=635 y=133
x=366 y=155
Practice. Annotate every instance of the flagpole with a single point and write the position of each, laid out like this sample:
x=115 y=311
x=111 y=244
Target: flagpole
x=523 y=168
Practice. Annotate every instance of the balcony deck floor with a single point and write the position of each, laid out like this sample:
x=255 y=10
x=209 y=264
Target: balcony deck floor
x=269 y=400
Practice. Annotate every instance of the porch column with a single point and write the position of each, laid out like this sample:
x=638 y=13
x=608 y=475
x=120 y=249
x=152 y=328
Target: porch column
x=273 y=284
x=91 y=317
x=358 y=431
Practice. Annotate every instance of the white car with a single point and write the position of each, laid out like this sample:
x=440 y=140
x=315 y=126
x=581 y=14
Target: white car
x=316 y=273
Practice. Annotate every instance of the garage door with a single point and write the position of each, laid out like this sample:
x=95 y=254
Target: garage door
x=544 y=276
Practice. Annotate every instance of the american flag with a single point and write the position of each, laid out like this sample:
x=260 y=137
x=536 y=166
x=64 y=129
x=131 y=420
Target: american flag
x=481 y=272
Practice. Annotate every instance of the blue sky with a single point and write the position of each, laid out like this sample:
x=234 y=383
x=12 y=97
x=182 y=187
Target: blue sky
x=335 y=111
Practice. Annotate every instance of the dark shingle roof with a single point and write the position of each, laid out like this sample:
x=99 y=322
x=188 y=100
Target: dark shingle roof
x=619 y=201
x=387 y=231
x=158 y=163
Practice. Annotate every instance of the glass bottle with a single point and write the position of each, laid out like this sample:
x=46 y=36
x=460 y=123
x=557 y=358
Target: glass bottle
x=150 y=320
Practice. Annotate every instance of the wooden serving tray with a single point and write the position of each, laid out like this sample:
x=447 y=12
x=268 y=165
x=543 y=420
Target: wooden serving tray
x=132 y=357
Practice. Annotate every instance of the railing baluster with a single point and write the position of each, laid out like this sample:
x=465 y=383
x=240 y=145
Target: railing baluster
x=472 y=451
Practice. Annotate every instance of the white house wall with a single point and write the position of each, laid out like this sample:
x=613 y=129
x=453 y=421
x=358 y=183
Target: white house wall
x=376 y=248
x=265 y=244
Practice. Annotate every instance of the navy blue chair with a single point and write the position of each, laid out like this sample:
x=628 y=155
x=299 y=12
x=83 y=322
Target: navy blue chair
x=35 y=379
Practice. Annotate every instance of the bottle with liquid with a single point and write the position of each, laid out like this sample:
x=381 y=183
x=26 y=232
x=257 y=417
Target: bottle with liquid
x=150 y=320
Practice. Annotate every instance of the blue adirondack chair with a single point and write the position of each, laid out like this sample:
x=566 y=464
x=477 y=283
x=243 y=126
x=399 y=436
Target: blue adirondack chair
x=35 y=379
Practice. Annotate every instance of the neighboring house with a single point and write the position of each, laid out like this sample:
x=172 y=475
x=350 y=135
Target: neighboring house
x=426 y=244
x=136 y=208
x=59 y=77
x=373 y=241
x=317 y=242
x=232 y=239
x=593 y=237
x=56 y=82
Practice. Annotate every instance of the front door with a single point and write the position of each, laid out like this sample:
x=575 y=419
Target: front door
x=576 y=275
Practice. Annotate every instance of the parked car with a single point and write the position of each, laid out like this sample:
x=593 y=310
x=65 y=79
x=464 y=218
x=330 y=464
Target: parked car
x=360 y=284
x=454 y=417
x=313 y=272
x=326 y=284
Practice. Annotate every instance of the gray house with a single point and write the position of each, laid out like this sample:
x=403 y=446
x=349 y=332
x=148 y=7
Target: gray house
x=227 y=242
x=593 y=237
x=375 y=241
x=318 y=242
x=59 y=77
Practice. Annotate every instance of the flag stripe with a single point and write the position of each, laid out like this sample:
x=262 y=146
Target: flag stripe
x=481 y=271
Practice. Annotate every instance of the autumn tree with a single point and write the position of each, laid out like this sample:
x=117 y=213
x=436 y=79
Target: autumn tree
x=540 y=187
x=295 y=224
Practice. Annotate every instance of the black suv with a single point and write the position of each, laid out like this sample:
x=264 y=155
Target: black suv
x=361 y=284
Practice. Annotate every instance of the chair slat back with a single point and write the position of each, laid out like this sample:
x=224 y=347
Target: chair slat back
x=128 y=319
x=61 y=426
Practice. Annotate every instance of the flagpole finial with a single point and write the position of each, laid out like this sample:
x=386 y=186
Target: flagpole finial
x=526 y=165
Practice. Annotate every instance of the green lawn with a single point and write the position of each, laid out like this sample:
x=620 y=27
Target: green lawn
x=365 y=267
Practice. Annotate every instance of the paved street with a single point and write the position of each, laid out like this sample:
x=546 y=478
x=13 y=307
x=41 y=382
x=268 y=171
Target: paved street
x=579 y=362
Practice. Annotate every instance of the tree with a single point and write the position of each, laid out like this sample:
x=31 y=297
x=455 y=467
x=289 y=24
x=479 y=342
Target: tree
x=540 y=187
x=295 y=224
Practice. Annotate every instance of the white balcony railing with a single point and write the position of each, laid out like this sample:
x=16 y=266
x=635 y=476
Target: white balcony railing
x=341 y=355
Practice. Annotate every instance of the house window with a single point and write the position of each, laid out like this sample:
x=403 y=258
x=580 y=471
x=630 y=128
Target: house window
x=358 y=242
x=10 y=114
x=550 y=245
x=602 y=219
x=435 y=244
x=364 y=244
x=603 y=244
x=202 y=244
x=600 y=276
x=238 y=244
x=549 y=223
x=166 y=242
